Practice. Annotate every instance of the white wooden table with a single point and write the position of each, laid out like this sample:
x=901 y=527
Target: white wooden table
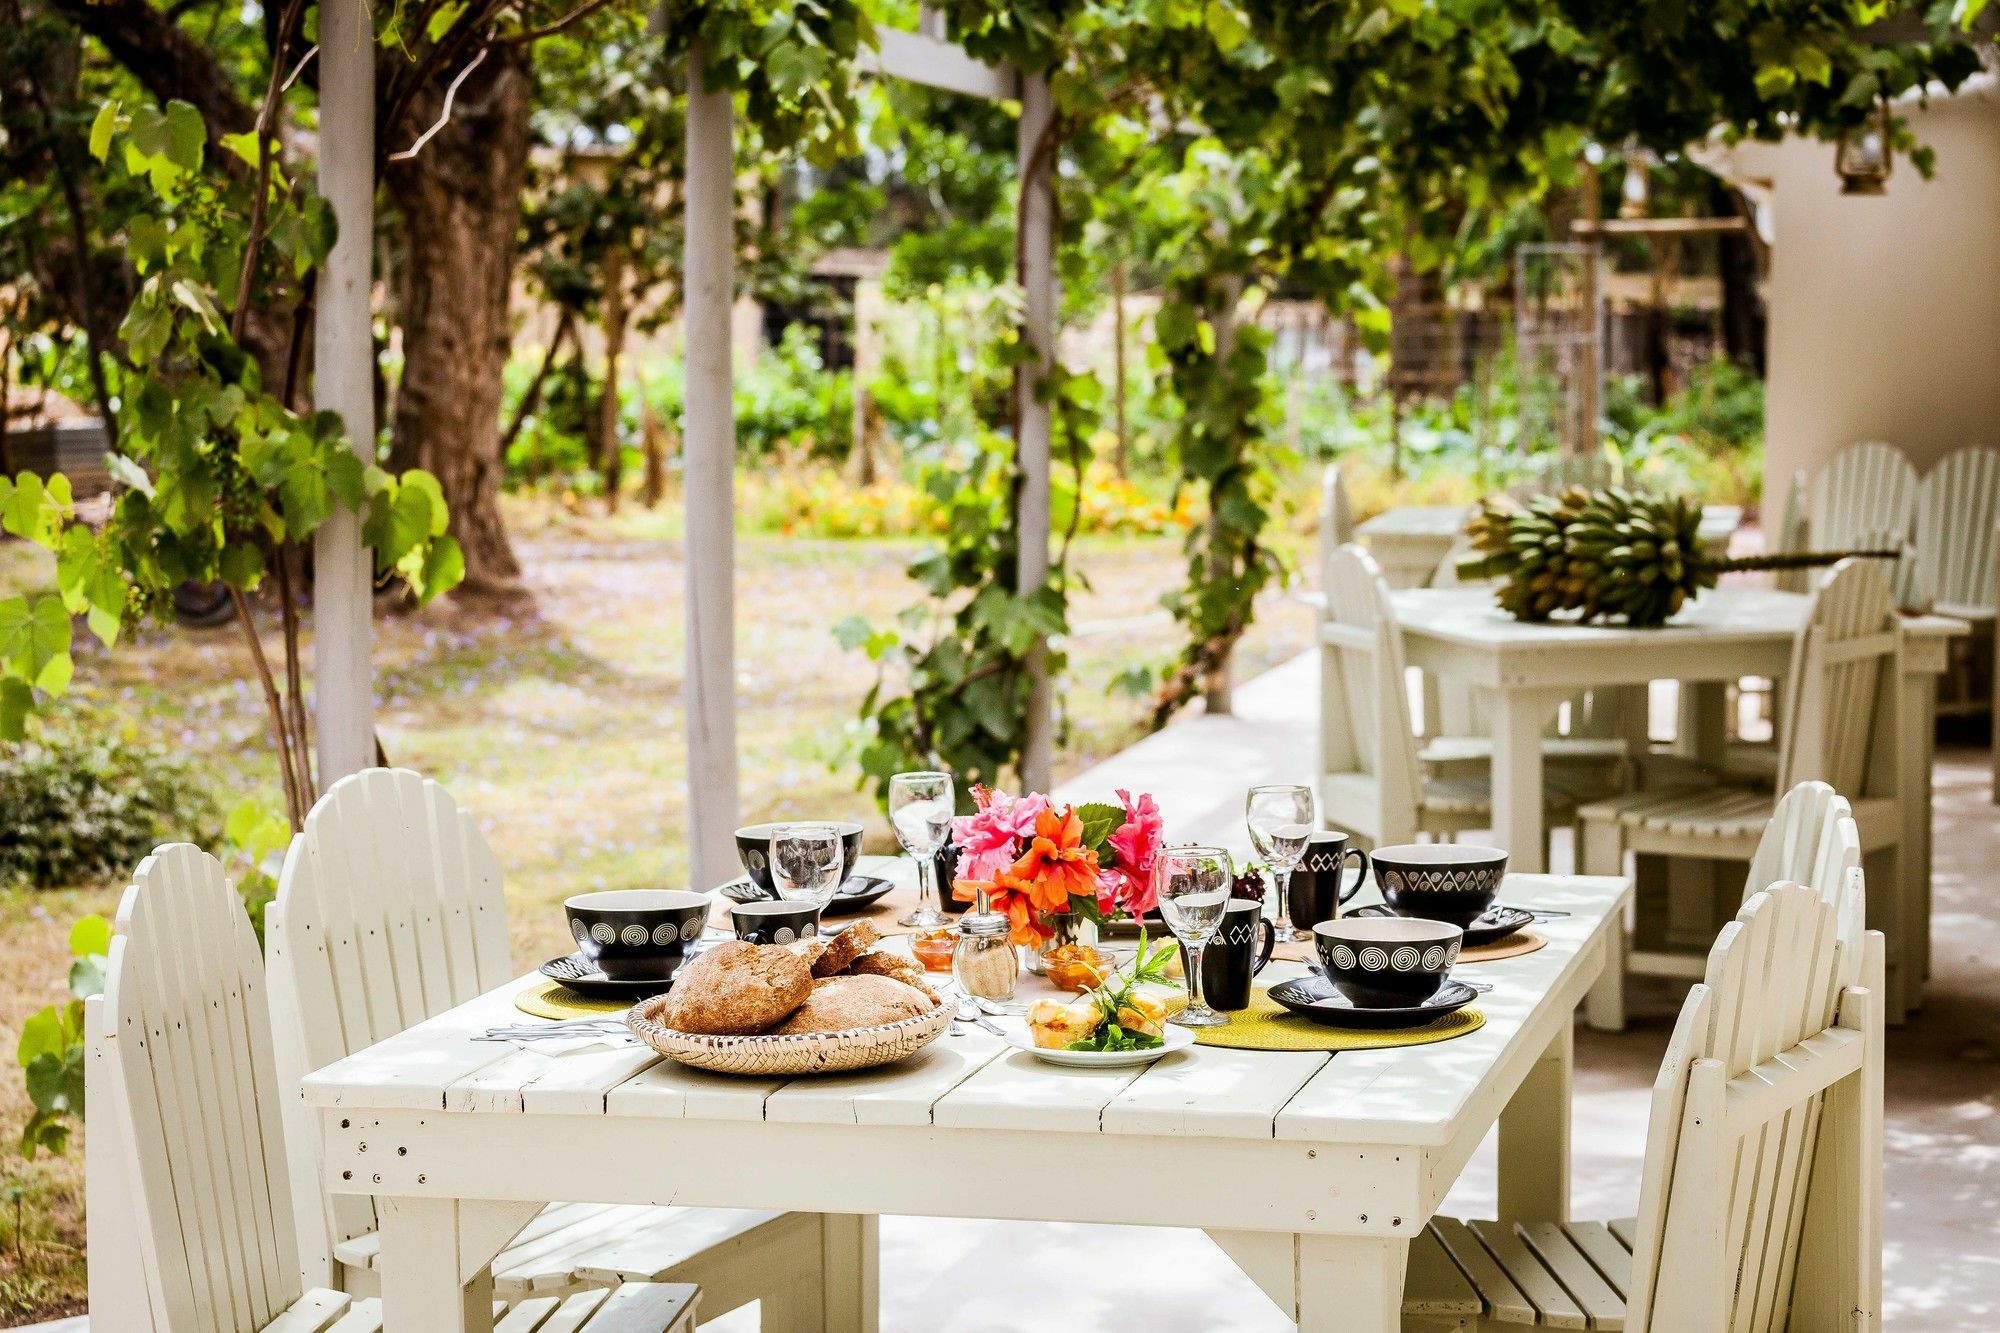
x=1727 y=633
x=1409 y=541
x=1312 y=1171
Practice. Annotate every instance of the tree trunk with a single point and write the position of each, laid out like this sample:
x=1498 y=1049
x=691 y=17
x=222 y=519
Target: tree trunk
x=1737 y=261
x=1121 y=460
x=460 y=201
x=612 y=460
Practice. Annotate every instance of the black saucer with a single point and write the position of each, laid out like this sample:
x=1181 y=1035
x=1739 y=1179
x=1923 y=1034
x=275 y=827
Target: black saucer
x=1496 y=923
x=858 y=893
x=574 y=973
x=1315 y=998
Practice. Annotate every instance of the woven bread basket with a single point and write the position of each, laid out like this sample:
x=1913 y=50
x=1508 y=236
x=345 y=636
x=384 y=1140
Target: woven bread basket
x=794 y=1053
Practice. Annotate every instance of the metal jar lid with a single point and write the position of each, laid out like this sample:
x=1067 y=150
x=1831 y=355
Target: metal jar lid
x=984 y=923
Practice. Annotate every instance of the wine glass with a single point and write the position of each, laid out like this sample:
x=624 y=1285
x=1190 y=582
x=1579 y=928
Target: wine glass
x=1194 y=891
x=1281 y=820
x=806 y=863
x=920 y=808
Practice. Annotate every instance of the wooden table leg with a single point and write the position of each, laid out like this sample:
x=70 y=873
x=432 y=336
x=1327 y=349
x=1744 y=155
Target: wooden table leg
x=1703 y=733
x=1518 y=717
x=1534 y=1138
x=1351 y=1284
x=435 y=1261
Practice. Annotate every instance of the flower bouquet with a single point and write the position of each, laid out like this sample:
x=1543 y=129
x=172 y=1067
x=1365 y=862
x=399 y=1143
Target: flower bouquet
x=1047 y=866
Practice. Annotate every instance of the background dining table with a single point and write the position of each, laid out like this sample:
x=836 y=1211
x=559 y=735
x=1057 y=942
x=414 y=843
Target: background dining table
x=1408 y=542
x=1729 y=632
x=1312 y=1170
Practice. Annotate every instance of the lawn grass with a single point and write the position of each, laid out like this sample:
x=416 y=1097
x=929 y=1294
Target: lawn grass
x=557 y=721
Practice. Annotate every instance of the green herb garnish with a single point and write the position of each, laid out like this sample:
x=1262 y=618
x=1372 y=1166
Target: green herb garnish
x=1112 y=1037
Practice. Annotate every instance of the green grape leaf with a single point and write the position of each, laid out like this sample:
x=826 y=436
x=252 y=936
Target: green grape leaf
x=16 y=702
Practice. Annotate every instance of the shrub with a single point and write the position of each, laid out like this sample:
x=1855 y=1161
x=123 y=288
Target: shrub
x=82 y=802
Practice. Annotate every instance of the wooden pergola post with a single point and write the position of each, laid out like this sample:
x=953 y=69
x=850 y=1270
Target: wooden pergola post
x=343 y=382
x=709 y=474
x=1038 y=282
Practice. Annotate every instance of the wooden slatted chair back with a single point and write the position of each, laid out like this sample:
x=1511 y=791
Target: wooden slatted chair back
x=1840 y=719
x=389 y=911
x=1806 y=842
x=1760 y=1204
x=1336 y=511
x=1791 y=534
x=184 y=1034
x=1958 y=506
x=1865 y=498
x=1365 y=705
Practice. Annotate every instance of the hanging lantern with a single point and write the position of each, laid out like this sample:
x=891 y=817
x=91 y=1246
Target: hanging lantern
x=1864 y=158
x=1632 y=193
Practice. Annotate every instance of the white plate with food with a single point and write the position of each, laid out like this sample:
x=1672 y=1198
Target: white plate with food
x=1171 y=1039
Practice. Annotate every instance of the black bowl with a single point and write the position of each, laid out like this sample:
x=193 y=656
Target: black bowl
x=1381 y=962
x=636 y=934
x=753 y=848
x=1439 y=881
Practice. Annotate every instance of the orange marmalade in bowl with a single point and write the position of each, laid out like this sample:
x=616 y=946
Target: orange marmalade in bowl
x=1077 y=967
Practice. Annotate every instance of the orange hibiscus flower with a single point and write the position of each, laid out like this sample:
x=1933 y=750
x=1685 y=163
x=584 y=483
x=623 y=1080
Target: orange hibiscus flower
x=1057 y=866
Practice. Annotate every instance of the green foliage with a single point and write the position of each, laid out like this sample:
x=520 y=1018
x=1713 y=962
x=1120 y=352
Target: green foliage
x=51 y=1049
x=255 y=835
x=788 y=403
x=81 y=802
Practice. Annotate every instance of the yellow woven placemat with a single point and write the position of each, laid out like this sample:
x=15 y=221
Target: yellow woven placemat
x=552 y=999
x=1268 y=1026
x=1520 y=942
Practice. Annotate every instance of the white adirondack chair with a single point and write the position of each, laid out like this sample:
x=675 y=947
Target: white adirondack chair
x=1865 y=498
x=1371 y=782
x=1586 y=742
x=389 y=911
x=1810 y=839
x=1958 y=552
x=190 y=1215
x=1760 y=1206
x=1336 y=510
x=1840 y=730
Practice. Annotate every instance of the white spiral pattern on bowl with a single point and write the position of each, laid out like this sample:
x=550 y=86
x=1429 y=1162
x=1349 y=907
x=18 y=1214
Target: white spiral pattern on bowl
x=691 y=929
x=1434 y=958
x=579 y=930
x=665 y=933
x=1404 y=958
x=634 y=935
x=783 y=935
x=1343 y=957
x=603 y=933
x=1373 y=959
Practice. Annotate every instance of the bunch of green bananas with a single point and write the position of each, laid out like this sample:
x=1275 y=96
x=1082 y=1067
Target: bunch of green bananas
x=1605 y=553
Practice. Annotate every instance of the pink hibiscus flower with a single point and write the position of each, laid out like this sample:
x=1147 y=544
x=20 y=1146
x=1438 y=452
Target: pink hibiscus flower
x=1129 y=883
x=991 y=838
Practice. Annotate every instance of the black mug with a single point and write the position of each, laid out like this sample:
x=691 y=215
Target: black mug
x=1233 y=955
x=765 y=921
x=1315 y=894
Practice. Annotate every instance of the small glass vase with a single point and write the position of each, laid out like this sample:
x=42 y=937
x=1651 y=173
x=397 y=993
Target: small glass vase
x=1069 y=929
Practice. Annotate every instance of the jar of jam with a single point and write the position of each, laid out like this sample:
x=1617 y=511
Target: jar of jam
x=933 y=948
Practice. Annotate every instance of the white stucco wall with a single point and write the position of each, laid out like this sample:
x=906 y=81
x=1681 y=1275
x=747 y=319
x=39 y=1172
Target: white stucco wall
x=1884 y=311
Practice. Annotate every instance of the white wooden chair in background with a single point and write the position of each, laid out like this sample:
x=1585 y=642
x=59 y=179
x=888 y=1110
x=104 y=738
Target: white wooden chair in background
x=1589 y=742
x=1864 y=498
x=1371 y=782
x=1840 y=730
x=1958 y=554
x=190 y=1209
x=1810 y=839
x=390 y=910
x=1760 y=1202
x=1336 y=510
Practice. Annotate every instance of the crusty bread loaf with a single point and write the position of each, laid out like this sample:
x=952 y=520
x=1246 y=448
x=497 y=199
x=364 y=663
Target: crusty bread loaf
x=882 y=963
x=844 y=948
x=838 y=1004
x=738 y=990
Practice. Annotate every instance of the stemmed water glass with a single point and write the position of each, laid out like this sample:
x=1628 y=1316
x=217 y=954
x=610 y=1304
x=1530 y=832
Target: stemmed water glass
x=920 y=808
x=1281 y=820
x=806 y=862
x=1194 y=891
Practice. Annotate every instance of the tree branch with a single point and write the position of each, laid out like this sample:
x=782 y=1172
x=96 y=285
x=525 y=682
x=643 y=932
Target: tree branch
x=167 y=61
x=576 y=15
